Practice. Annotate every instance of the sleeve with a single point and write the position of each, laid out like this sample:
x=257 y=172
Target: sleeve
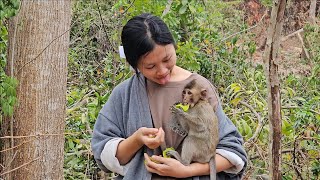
x=234 y=159
x=108 y=157
x=106 y=128
x=230 y=139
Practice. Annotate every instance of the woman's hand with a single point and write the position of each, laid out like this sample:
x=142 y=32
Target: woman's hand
x=166 y=166
x=151 y=137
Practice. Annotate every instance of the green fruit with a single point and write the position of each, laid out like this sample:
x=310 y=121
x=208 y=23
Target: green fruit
x=164 y=153
x=185 y=108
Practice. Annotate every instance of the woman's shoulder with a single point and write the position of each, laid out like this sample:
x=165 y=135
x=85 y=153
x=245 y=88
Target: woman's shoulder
x=212 y=93
x=123 y=84
x=202 y=80
x=129 y=83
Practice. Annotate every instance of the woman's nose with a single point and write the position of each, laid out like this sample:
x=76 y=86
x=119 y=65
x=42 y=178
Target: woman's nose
x=162 y=70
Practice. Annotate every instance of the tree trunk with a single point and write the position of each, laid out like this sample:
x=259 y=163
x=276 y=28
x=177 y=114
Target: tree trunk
x=271 y=56
x=312 y=12
x=33 y=141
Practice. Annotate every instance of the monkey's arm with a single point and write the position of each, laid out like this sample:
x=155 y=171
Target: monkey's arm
x=181 y=113
x=174 y=154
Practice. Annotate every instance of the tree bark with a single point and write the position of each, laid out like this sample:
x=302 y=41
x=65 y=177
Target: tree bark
x=37 y=57
x=271 y=58
x=312 y=12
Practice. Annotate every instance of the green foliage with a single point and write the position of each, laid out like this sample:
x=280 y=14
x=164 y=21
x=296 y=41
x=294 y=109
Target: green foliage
x=8 y=8
x=83 y=108
x=312 y=38
x=267 y=3
x=188 y=54
x=95 y=68
x=7 y=95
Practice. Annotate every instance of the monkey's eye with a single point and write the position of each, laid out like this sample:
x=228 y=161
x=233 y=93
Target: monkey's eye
x=184 y=92
x=189 y=92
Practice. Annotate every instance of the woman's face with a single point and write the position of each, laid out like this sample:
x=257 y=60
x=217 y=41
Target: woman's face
x=157 y=65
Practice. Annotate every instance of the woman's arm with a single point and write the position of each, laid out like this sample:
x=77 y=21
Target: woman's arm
x=198 y=169
x=173 y=168
x=150 y=137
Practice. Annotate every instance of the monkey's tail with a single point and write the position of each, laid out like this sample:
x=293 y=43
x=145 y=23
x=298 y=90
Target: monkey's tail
x=213 y=172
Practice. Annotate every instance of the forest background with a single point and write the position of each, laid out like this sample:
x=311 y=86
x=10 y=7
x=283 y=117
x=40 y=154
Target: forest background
x=221 y=40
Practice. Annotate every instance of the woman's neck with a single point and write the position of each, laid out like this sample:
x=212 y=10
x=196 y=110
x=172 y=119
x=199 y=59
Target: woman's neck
x=179 y=74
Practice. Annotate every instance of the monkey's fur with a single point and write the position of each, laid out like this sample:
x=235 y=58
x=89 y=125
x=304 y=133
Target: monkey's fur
x=201 y=124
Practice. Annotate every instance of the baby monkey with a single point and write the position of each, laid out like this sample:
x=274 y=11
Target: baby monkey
x=201 y=125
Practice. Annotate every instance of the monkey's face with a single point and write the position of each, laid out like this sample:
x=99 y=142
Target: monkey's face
x=190 y=97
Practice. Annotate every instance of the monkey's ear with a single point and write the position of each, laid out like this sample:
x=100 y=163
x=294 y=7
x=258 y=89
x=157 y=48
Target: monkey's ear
x=203 y=93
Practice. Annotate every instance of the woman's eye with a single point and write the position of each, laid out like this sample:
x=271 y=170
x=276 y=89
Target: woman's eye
x=149 y=67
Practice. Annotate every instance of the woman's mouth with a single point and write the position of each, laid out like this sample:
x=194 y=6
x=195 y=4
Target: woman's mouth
x=164 y=79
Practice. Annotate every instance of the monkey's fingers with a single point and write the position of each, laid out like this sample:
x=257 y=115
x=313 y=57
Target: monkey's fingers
x=173 y=154
x=165 y=153
x=174 y=109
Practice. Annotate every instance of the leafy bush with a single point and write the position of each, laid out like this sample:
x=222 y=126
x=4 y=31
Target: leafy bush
x=8 y=84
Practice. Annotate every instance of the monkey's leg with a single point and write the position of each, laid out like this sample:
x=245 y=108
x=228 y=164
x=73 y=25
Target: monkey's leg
x=174 y=154
x=213 y=171
x=188 y=151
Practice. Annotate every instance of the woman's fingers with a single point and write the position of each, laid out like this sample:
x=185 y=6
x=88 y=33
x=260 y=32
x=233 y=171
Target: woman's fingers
x=153 y=140
x=153 y=165
x=149 y=131
x=162 y=134
x=165 y=166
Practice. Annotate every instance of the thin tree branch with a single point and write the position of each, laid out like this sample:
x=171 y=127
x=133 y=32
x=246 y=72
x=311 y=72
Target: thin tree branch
x=37 y=135
x=304 y=48
x=104 y=28
x=15 y=146
x=312 y=11
x=291 y=34
x=260 y=123
x=19 y=167
x=131 y=4
x=282 y=152
x=167 y=9
x=45 y=48
x=12 y=66
x=41 y=52
x=252 y=27
x=297 y=107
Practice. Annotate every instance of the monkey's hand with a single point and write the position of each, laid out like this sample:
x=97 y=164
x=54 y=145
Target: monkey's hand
x=173 y=154
x=164 y=153
x=177 y=111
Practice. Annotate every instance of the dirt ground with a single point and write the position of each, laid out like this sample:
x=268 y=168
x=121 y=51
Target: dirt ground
x=291 y=53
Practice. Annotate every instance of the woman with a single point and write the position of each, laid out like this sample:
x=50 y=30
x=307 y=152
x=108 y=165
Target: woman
x=132 y=125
